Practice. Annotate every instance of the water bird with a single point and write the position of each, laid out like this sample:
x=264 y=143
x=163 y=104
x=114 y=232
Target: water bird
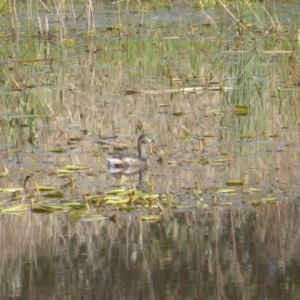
x=128 y=163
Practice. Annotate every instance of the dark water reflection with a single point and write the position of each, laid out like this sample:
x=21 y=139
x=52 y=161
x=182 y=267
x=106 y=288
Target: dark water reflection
x=221 y=254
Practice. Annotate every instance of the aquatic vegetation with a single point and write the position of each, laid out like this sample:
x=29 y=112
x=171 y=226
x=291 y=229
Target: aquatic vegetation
x=219 y=91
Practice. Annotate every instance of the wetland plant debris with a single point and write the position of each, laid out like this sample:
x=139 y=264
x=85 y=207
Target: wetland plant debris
x=49 y=199
x=185 y=90
x=239 y=110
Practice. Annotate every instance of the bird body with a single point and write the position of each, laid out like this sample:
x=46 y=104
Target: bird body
x=125 y=161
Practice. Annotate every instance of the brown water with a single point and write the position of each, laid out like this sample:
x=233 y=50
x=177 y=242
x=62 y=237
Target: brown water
x=208 y=244
x=220 y=254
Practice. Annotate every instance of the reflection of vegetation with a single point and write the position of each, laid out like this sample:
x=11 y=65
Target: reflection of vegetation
x=64 y=70
x=192 y=254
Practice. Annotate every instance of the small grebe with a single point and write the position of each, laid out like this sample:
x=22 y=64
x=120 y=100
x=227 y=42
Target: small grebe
x=125 y=160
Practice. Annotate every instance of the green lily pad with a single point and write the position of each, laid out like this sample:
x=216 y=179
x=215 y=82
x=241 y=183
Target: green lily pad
x=58 y=150
x=270 y=200
x=204 y=161
x=239 y=110
x=235 y=182
x=54 y=194
x=75 y=215
x=42 y=210
x=178 y=113
x=115 y=192
x=46 y=188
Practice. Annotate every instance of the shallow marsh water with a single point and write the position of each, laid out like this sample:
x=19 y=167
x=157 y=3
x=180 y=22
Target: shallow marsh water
x=64 y=83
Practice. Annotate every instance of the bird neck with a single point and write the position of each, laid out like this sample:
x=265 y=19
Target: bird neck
x=142 y=150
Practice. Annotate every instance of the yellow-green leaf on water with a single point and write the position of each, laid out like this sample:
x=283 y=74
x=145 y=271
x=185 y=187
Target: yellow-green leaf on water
x=114 y=192
x=96 y=153
x=246 y=136
x=178 y=113
x=226 y=191
x=16 y=214
x=42 y=209
x=128 y=192
x=76 y=205
x=46 y=188
x=222 y=160
x=96 y=199
x=185 y=130
x=54 y=194
x=112 y=198
x=58 y=150
x=139 y=194
x=16 y=208
x=75 y=168
x=255 y=202
x=235 y=182
x=210 y=112
x=270 y=200
x=154 y=196
x=68 y=42
x=239 y=110
x=204 y=161
x=252 y=190
x=225 y=203
x=11 y=190
x=150 y=218
x=122 y=201
x=53 y=207
x=94 y=218
x=275 y=135
x=76 y=139
x=75 y=215
x=197 y=192
x=63 y=172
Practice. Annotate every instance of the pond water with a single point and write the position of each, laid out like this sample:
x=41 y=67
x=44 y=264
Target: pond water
x=219 y=254
x=215 y=216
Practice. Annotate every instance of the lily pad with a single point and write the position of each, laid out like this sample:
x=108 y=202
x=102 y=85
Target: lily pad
x=239 y=110
x=235 y=183
x=58 y=150
x=94 y=218
x=226 y=191
x=150 y=218
x=204 y=161
x=16 y=208
x=46 y=188
x=270 y=200
x=54 y=194
x=115 y=192
x=76 y=205
x=121 y=201
x=178 y=113
x=42 y=209
x=75 y=168
x=246 y=136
